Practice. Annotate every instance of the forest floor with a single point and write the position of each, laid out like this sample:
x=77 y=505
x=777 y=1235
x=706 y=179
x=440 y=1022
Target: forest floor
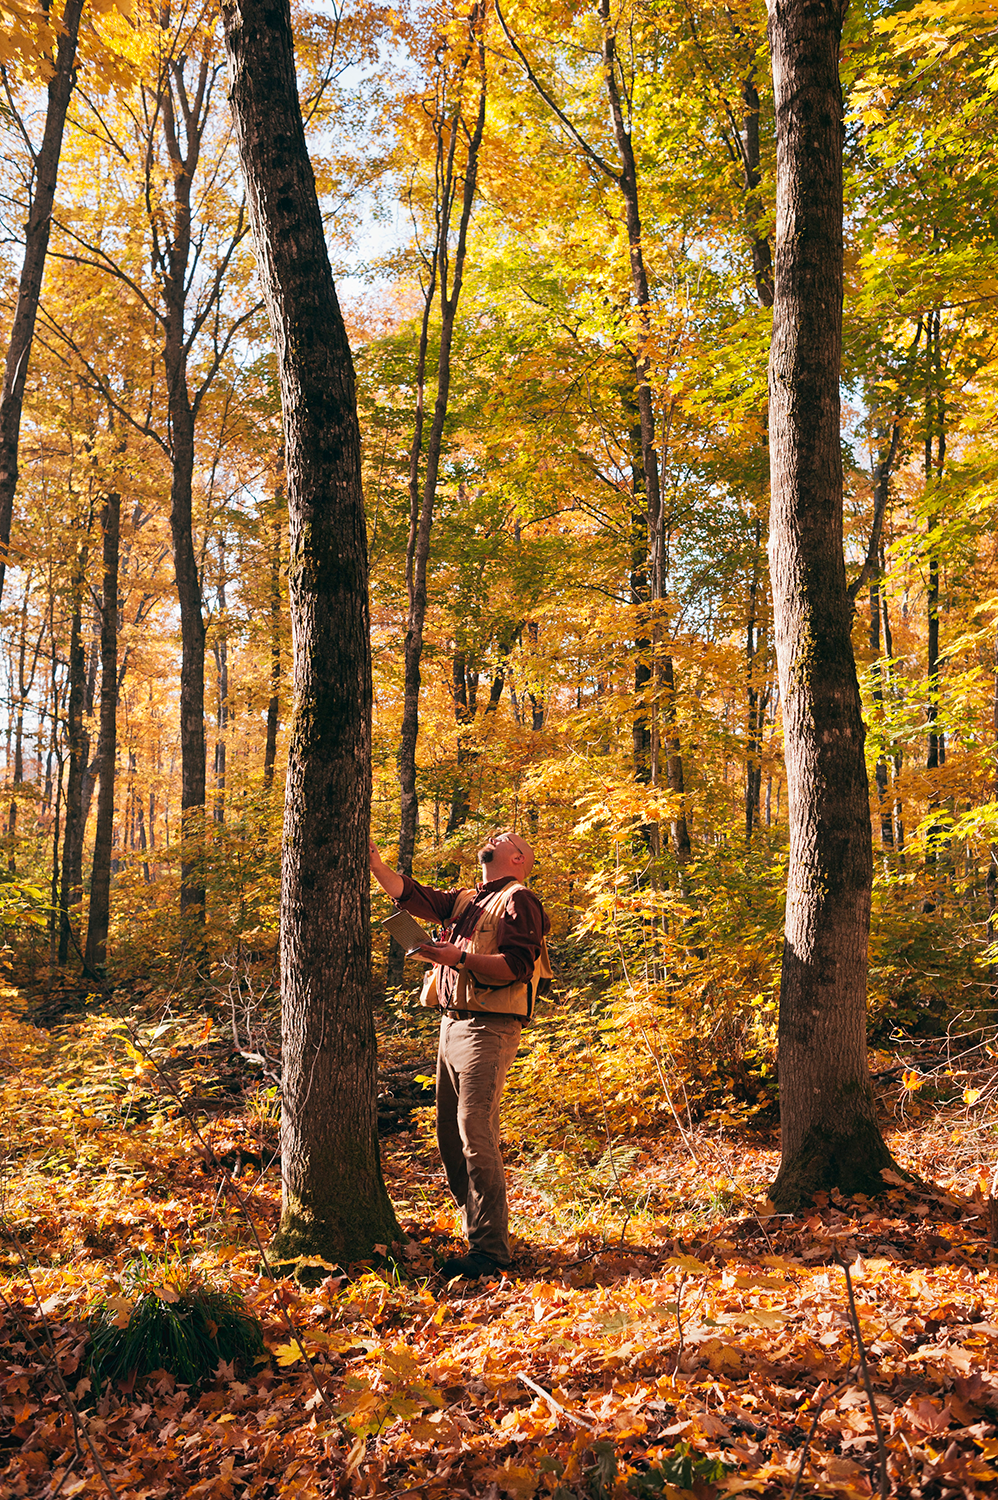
x=660 y=1332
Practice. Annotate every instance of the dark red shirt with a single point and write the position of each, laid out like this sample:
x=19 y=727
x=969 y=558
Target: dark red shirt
x=518 y=933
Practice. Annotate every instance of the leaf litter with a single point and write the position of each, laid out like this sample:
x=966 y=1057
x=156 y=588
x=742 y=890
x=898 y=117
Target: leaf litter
x=664 y=1335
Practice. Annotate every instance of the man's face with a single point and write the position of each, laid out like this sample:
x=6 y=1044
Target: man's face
x=501 y=854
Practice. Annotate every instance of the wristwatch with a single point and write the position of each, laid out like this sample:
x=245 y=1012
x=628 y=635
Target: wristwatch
x=462 y=960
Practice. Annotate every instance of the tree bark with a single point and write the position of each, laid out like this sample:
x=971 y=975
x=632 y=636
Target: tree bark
x=334 y=1199
x=830 y=1135
x=100 y=878
x=36 y=245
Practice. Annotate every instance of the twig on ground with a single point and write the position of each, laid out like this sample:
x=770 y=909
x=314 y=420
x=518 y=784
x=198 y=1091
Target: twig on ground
x=867 y=1383
x=814 y=1427
x=680 y=1284
x=554 y=1405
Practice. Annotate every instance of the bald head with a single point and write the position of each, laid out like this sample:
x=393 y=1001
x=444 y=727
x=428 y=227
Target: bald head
x=506 y=853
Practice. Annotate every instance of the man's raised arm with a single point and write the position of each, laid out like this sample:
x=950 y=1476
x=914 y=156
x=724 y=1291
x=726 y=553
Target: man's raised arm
x=391 y=883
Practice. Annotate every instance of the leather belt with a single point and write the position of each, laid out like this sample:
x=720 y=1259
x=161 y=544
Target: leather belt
x=469 y=1015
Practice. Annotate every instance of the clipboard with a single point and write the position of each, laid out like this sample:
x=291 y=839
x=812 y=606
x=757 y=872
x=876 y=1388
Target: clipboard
x=407 y=931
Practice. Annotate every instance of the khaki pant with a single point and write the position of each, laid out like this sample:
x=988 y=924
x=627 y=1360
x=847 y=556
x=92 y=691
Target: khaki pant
x=472 y=1062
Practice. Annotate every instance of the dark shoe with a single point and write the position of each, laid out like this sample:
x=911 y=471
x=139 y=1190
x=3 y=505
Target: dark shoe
x=471 y=1266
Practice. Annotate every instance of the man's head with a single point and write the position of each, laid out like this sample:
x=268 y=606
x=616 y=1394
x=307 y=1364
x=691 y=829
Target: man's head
x=505 y=853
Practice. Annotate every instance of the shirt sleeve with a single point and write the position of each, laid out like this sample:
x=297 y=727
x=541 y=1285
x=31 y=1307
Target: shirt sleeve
x=426 y=902
x=519 y=933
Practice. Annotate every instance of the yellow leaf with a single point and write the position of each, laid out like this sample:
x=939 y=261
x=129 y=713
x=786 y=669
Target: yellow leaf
x=971 y=1096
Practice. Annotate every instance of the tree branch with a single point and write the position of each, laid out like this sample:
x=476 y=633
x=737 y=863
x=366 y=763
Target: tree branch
x=548 y=98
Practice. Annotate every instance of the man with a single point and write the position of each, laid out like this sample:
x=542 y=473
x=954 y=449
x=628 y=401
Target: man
x=487 y=964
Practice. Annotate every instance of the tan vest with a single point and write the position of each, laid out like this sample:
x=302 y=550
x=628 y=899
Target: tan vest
x=515 y=999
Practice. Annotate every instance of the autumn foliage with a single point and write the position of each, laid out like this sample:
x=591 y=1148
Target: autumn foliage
x=596 y=668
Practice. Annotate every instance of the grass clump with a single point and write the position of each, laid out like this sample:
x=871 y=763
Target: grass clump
x=186 y=1331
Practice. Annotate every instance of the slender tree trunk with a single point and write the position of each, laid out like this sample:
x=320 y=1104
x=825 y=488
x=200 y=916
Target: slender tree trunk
x=334 y=1199
x=221 y=650
x=274 y=705
x=935 y=451
x=830 y=1135
x=464 y=691
x=883 y=803
x=639 y=594
x=448 y=132
x=172 y=262
x=627 y=182
x=25 y=682
x=100 y=877
x=755 y=210
x=71 y=892
x=992 y=878
x=753 y=762
x=36 y=245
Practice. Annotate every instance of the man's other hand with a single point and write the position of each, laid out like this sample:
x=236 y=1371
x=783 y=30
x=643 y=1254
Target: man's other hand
x=446 y=954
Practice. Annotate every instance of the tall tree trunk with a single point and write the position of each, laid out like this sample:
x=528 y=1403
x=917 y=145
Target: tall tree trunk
x=830 y=1135
x=36 y=243
x=334 y=1199
x=100 y=878
x=448 y=132
x=71 y=892
x=627 y=181
x=171 y=260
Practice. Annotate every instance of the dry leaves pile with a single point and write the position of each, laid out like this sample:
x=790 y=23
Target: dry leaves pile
x=674 y=1349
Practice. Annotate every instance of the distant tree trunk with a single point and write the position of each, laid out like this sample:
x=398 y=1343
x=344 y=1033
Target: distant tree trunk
x=274 y=705
x=992 y=878
x=334 y=1199
x=883 y=803
x=753 y=761
x=897 y=807
x=830 y=1135
x=221 y=652
x=24 y=685
x=639 y=594
x=755 y=211
x=464 y=691
x=71 y=892
x=36 y=243
x=95 y=954
x=934 y=458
